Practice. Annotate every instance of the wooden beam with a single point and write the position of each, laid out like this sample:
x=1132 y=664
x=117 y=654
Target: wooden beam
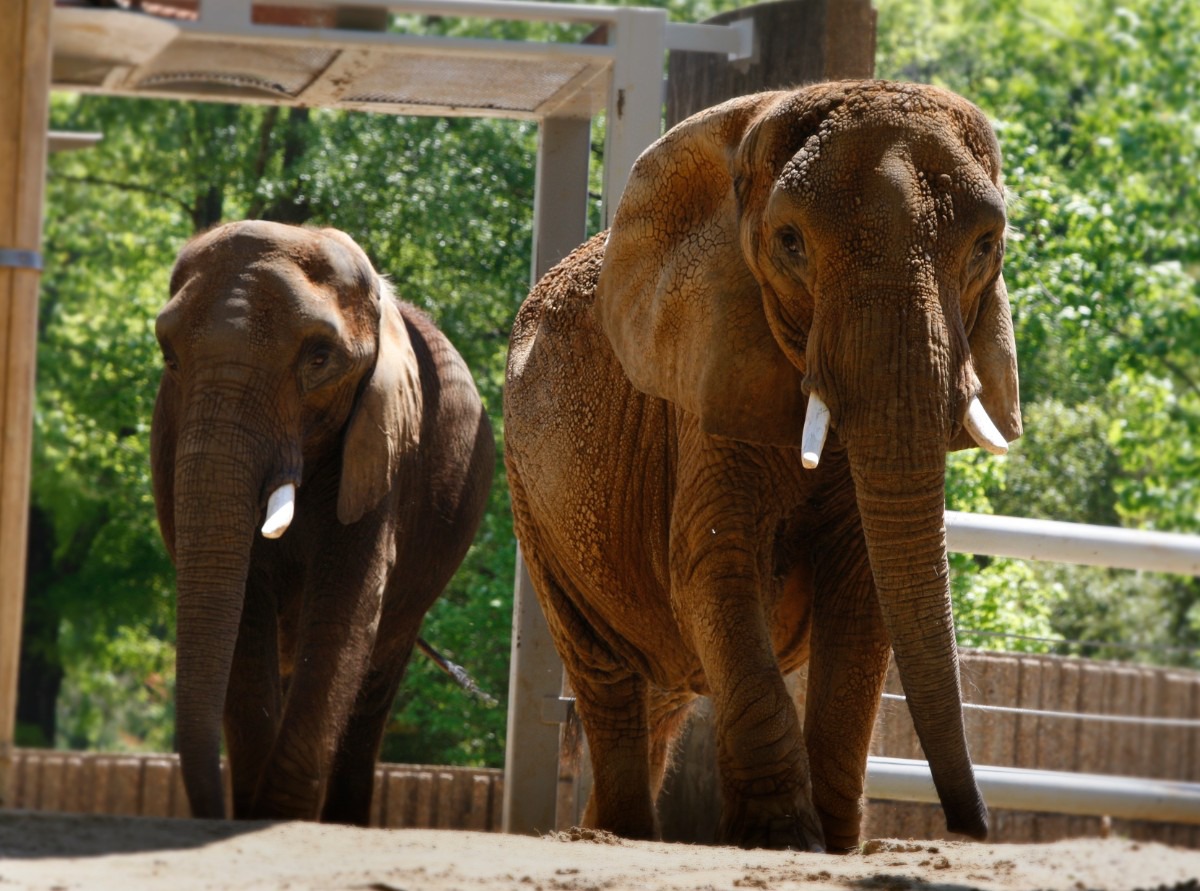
x=24 y=108
x=795 y=42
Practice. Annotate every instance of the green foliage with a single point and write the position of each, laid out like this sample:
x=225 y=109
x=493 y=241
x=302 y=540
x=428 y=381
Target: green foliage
x=1096 y=109
x=442 y=206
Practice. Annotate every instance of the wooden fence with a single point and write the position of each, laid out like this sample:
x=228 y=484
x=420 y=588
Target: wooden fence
x=468 y=798
x=1046 y=683
x=152 y=786
x=1048 y=742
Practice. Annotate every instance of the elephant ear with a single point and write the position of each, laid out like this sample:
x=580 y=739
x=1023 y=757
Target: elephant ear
x=680 y=306
x=385 y=423
x=163 y=437
x=994 y=357
x=993 y=345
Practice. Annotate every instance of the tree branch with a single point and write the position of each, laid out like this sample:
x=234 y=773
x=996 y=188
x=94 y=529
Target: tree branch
x=126 y=187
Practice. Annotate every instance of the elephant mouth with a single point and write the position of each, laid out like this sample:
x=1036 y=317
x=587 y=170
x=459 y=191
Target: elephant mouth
x=817 y=418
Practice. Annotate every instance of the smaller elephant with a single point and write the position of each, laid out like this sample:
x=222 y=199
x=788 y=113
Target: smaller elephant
x=321 y=461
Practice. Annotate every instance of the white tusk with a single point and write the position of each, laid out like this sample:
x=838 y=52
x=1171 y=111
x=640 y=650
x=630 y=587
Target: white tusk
x=281 y=507
x=816 y=427
x=982 y=430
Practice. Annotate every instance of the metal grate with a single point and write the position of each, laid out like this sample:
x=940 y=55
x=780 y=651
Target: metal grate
x=188 y=64
x=511 y=84
x=112 y=51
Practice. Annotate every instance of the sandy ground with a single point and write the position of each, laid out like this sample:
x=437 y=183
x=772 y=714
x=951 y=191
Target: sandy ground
x=60 y=852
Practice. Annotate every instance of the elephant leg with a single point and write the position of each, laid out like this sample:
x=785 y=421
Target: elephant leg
x=610 y=699
x=352 y=782
x=716 y=585
x=252 y=701
x=612 y=709
x=847 y=666
x=761 y=755
x=335 y=636
x=668 y=715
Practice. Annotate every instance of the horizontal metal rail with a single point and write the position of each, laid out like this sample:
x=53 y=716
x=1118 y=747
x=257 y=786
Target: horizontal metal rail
x=232 y=18
x=1046 y=791
x=1183 y=723
x=1081 y=543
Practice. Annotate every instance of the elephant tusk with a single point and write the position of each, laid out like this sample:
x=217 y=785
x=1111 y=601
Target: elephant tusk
x=281 y=507
x=982 y=430
x=816 y=427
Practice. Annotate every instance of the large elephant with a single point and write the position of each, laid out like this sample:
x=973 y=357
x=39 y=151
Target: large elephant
x=300 y=398
x=781 y=266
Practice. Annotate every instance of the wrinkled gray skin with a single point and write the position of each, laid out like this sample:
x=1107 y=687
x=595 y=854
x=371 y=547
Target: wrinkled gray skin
x=843 y=240
x=288 y=360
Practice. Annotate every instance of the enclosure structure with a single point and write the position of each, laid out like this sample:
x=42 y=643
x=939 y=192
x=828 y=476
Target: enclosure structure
x=353 y=56
x=320 y=54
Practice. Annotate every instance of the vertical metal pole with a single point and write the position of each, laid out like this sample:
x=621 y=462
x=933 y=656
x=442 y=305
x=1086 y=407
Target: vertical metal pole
x=560 y=224
x=635 y=104
x=535 y=672
x=24 y=104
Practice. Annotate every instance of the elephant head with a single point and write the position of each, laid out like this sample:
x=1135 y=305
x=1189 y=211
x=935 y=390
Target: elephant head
x=834 y=252
x=287 y=360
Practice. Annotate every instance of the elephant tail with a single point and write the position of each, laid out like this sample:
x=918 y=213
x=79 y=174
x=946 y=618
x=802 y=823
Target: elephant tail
x=457 y=672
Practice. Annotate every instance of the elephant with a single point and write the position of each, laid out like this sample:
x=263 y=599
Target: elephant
x=320 y=462
x=726 y=428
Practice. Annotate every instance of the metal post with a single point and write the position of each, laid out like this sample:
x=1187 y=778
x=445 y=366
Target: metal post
x=24 y=105
x=535 y=673
x=635 y=105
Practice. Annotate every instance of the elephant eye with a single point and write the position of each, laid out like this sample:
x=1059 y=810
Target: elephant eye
x=791 y=242
x=985 y=248
x=320 y=365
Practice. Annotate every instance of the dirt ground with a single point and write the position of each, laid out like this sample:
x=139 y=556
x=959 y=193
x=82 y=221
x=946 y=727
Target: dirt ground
x=61 y=853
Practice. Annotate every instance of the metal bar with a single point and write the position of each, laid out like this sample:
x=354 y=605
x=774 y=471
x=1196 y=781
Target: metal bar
x=634 y=118
x=1188 y=723
x=329 y=38
x=735 y=40
x=1073 y=543
x=535 y=671
x=1055 y=792
x=517 y=10
x=16 y=258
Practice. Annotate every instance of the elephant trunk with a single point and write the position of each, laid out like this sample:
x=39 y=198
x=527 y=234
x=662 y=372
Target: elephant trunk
x=903 y=522
x=217 y=496
x=894 y=411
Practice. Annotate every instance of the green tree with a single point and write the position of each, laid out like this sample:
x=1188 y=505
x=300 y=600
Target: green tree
x=1095 y=106
x=442 y=206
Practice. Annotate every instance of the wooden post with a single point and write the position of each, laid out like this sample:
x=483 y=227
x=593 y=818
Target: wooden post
x=24 y=107
x=795 y=42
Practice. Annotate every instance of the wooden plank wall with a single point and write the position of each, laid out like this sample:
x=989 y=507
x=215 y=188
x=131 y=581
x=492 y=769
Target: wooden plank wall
x=406 y=797
x=689 y=806
x=468 y=798
x=1052 y=743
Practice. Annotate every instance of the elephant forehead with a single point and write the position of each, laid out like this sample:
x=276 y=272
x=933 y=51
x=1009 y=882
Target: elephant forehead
x=265 y=301
x=886 y=179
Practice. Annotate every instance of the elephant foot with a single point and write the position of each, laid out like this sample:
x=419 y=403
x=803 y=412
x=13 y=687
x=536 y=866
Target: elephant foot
x=636 y=823
x=298 y=801
x=772 y=824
